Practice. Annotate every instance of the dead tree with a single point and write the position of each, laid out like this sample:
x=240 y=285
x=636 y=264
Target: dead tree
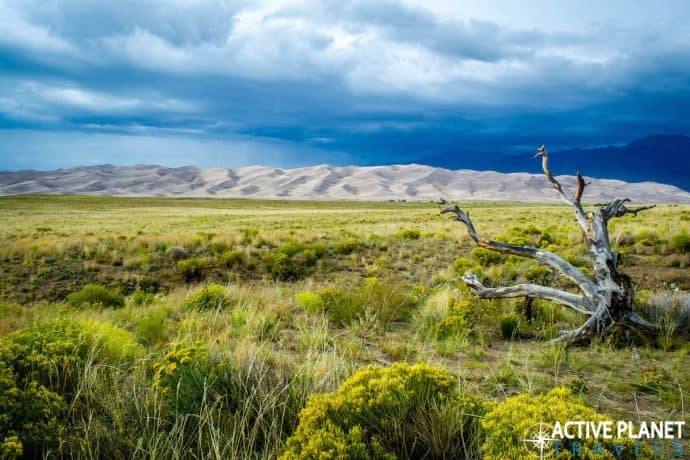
x=606 y=298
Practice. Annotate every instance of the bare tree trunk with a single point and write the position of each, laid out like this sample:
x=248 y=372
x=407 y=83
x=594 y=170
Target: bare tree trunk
x=607 y=298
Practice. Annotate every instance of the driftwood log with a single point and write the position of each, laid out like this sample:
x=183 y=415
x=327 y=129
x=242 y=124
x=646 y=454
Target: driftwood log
x=606 y=298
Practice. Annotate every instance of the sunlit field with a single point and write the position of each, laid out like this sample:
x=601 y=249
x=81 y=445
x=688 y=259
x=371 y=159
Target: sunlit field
x=201 y=328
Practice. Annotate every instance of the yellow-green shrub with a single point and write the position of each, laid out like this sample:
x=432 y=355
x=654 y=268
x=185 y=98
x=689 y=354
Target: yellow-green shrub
x=142 y=298
x=32 y=418
x=461 y=316
x=348 y=246
x=402 y=410
x=514 y=419
x=310 y=302
x=538 y=274
x=153 y=328
x=213 y=296
x=95 y=295
x=293 y=260
x=510 y=325
x=192 y=269
x=486 y=257
x=409 y=233
x=389 y=302
x=234 y=258
x=111 y=343
x=680 y=243
x=40 y=371
x=188 y=378
x=52 y=353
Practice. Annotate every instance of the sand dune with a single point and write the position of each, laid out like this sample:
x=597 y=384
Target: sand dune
x=408 y=182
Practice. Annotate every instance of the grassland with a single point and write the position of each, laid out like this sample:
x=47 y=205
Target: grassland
x=303 y=294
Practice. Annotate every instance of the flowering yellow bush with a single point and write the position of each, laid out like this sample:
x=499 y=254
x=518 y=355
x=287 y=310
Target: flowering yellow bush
x=40 y=368
x=518 y=417
x=187 y=378
x=461 y=316
x=384 y=413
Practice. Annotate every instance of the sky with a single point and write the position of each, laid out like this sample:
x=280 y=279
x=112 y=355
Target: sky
x=285 y=83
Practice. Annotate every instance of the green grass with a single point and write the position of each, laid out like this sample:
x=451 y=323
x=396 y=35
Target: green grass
x=308 y=293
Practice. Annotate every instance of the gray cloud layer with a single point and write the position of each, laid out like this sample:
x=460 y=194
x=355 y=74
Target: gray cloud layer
x=352 y=77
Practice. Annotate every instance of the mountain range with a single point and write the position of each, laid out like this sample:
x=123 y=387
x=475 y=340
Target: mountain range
x=659 y=158
x=638 y=167
x=396 y=182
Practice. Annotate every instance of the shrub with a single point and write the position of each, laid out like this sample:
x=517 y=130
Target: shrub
x=409 y=233
x=523 y=235
x=234 y=258
x=400 y=411
x=516 y=418
x=538 y=274
x=310 y=302
x=32 y=419
x=192 y=269
x=462 y=265
x=388 y=301
x=141 y=298
x=510 y=326
x=450 y=325
x=647 y=238
x=188 y=378
x=283 y=267
x=670 y=311
x=292 y=261
x=579 y=261
x=680 y=243
x=152 y=329
x=348 y=246
x=293 y=248
x=40 y=371
x=94 y=295
x=486 y=257
x=213 y=296
x=218 y=247
x=341 y=307
x=113 y=344
x=461 y=317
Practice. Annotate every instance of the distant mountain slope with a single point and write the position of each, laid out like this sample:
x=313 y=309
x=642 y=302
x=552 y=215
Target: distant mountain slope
x=661 y=158
x=410 y=182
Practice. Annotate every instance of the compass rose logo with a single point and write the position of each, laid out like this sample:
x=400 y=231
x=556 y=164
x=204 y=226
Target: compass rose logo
x=538 y=440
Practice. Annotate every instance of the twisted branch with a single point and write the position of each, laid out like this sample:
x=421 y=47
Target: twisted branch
x=574 y=202
x=579 y=303
x=545 y=257
x=617 y=208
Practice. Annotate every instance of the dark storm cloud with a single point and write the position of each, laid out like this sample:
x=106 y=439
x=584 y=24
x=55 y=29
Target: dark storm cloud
x=362 y=82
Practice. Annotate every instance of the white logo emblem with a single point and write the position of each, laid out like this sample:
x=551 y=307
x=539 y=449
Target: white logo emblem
x=538 y=440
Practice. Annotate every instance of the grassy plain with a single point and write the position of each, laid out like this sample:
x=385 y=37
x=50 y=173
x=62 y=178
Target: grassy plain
x=311 y=291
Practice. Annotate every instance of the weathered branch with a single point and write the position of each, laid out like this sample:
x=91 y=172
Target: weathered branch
x=596 y=324
x=574 y=202
x=545 y=257
x=639 y=321
x=581 y=184
x=617 y=208
x=576 y=302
